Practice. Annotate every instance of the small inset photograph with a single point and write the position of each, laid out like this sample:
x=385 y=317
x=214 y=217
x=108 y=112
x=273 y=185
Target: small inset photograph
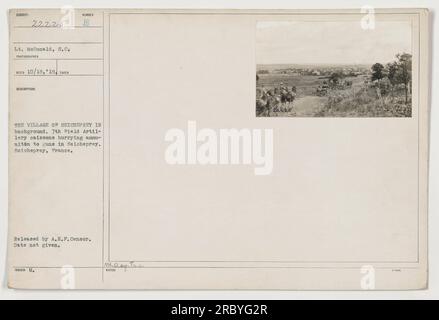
x=333 y=69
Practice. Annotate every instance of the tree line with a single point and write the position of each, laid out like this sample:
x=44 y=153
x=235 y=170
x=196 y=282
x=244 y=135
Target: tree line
x=398 y=72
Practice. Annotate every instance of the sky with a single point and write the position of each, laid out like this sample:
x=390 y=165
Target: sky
x=283 y=42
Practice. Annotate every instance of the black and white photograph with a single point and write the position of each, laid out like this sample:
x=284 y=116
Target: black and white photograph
x=213 y=158
x=333 y=69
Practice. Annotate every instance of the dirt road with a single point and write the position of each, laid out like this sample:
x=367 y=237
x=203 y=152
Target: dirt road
x=308 y=106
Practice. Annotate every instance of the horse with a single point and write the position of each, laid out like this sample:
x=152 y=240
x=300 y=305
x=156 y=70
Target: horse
x=287 y=98
x=261 y=104
x=274 y=100
x=266 y=104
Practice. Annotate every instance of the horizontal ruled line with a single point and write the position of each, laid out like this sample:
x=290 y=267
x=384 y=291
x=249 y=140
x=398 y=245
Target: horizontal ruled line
x=59 y=59
x=60 y=75
x=55 y=42
x=61 y=28
x=261 y=261
x=208 y=267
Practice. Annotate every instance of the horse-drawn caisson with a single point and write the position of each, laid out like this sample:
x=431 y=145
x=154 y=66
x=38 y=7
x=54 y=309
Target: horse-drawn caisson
x=274 y=101
x=325 y=87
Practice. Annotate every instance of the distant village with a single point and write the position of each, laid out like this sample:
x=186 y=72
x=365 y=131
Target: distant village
x=347 y=71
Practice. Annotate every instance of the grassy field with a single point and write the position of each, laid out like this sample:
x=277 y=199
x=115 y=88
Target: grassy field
x=306 y=85
x=356 y=101
x=365 y=103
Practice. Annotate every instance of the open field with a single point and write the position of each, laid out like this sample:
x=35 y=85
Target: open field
x=306 y=84
x=357 y=100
